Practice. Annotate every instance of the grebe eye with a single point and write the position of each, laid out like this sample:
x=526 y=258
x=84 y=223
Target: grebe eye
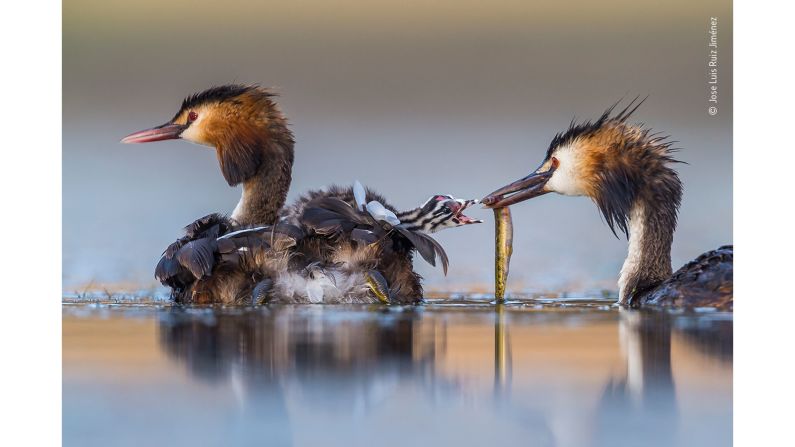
x=192 y=116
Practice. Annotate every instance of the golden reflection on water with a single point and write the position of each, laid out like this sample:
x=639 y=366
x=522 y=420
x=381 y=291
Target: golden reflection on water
x=447 y=374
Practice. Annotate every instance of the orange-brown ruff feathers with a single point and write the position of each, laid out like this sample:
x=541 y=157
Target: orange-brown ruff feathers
x=253 y=145
x=625 y=169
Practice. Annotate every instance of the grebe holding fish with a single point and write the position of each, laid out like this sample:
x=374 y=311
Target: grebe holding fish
x=625 y=169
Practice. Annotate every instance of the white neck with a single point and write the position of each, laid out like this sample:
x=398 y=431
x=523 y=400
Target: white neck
x=632 y=265
x=241 y=205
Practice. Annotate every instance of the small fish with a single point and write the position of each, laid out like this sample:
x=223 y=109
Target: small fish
x=503 y=238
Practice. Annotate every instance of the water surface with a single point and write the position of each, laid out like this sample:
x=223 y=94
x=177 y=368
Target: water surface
x=555 y=372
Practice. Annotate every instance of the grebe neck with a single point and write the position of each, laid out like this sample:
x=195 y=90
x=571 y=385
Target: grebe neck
x=648 y=263
x=264 y=193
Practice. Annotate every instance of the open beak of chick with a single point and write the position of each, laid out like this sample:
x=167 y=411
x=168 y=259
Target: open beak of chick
x=457 y=206
x=523 y=189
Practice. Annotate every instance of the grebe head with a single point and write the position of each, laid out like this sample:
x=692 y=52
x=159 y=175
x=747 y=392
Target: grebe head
x=242 y=122
x=436 y=214
x=439 y=212
x=612 y=162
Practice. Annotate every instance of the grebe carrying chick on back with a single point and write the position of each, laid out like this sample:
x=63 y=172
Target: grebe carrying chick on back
x=625 y=169
x=334 y=245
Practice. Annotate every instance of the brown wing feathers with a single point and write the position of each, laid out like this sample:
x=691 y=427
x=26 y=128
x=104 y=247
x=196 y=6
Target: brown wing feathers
x=191 y=256
x=426 y=246
x=213 y=241
x=330 y=216
x=208 y=242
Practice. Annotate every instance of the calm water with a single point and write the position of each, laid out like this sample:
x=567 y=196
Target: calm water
x=564 y=372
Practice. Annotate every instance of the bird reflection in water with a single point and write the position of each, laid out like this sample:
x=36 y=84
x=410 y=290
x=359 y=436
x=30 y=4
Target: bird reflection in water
x=352 y=359
x=356 y=367
x=284 y=362
x=639 y=405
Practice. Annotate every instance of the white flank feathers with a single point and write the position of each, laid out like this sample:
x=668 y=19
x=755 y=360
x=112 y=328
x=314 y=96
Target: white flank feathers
x=314 y=291
x=243 y=231
x=379 y=212
x=359 y=195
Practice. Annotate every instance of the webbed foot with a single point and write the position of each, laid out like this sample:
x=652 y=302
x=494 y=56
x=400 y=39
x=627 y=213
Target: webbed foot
x=379 y=286
x=262 y=292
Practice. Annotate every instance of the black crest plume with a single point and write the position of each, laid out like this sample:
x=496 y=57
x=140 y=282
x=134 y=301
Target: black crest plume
x=584 y=129
x=220 y=93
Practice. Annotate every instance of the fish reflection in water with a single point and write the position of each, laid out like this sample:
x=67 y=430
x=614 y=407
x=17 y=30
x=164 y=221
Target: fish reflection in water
x=282 y=359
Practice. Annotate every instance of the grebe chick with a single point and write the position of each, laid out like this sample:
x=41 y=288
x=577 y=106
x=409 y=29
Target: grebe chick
x=625 y=169
x=341 y=245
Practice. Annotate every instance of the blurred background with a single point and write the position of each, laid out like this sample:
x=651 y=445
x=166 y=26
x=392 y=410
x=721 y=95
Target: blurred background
x=477 y=89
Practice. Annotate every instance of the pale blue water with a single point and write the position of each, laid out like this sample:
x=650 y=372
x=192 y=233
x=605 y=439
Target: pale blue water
x=546 y=372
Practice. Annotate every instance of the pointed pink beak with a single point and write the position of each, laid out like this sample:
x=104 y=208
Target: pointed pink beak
x=167 y=131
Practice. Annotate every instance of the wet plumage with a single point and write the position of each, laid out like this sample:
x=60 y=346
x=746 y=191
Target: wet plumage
x=626 y=170
x=707 y=281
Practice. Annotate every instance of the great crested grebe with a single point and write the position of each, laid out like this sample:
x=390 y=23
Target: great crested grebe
x=625 y=170
x=255 y=147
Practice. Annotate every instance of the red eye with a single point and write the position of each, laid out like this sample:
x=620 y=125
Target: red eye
x=440 y=198
x=192 y=116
